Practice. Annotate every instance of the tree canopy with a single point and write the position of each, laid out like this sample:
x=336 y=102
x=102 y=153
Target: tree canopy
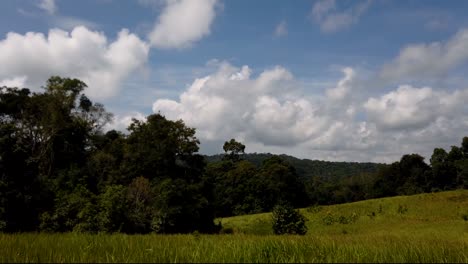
x=60 y=171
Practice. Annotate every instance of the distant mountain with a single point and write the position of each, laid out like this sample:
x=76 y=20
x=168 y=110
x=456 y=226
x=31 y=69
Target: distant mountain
x=307 y=168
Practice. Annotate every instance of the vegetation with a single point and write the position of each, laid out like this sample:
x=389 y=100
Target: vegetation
x=431 y=230
x=60 y=172
x=286 y=220
x=307 y=169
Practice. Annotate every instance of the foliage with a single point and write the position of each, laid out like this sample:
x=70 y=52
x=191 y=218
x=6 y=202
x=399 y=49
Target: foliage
x=233 y=149
x=60 y=171
x=286 y=220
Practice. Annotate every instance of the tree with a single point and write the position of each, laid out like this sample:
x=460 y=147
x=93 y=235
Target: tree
x=286 y=220
x=444 y=171
x=233 y=149
x=113 y=209
x=139 y=201
x=161 y=148
x=280 y=182
x=465 y=147
x=164 y=152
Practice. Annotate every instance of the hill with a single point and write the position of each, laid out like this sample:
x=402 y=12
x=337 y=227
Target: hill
x=307 y=168
x=443 y=214
x=425 y=228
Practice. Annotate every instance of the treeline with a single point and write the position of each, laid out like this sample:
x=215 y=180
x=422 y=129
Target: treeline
x=60 y=172
x=410 y=175
x=307 y=168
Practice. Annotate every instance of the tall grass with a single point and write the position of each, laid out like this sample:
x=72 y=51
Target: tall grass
x=229 y=248
x=421 y=228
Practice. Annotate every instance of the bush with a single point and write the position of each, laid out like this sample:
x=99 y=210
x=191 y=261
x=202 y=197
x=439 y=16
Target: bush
x=286 y=220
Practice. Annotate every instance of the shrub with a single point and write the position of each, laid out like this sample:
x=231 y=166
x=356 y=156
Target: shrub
x=286 y=220
x=328 y=219
x=402 y=209
x=465 y=217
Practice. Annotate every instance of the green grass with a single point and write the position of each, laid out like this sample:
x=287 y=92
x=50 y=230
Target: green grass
x=419 y=228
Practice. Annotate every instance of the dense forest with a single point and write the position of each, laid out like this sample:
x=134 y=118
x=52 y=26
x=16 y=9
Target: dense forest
x=59 y=171
x=307 y=168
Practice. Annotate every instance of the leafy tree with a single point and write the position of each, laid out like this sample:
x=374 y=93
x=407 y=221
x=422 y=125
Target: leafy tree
x=462 y=173
x=233 y=149
x=455 y=154
x=139 y=200
x=113 y=209
x=443 y=170
x=464 y=147
x=286 y=220
x=160 y=148
x=180 y=207
x=74 y=211
x=279 y=182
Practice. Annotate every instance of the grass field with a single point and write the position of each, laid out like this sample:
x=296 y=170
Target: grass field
x=419 y=228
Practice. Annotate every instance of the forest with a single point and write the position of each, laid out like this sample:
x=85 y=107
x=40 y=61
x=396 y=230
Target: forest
x=60 y=171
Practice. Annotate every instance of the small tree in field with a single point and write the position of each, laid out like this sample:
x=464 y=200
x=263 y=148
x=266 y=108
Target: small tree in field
x=286 y=220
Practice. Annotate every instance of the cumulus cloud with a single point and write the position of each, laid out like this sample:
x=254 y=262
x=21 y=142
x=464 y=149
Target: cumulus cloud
x=426 y=60
x=413 y=108
x=19 y=81
x=231 y=103
x=268 y=111
x=121 y=122
x=324 y=13
x=281 y=29
x=344 y=85
x=183 y=22
x=48 y=5
x=81 y=53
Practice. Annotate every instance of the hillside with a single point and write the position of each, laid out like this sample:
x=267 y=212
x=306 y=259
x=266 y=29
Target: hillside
x=307 y=168
x=425 y=228
x=443 y=214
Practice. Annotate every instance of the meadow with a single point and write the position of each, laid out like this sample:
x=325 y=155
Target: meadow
x=429 y=227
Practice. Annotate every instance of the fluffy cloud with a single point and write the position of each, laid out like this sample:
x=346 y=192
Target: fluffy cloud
x=121 y=122
x=19 y=81
x=48 y=5
x=269 y=112
x=81 y=53
x=230 y=103
x=183 y=22
x=428 y=60
x=413 y=108
x=323 y=13
x=343 y=87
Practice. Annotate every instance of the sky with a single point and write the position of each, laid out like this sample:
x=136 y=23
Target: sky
x=337 y=80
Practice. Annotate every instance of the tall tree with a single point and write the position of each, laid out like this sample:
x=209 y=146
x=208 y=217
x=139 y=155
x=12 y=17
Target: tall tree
x=233 y=149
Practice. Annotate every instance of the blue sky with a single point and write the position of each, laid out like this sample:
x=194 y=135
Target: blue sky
x=334 y=80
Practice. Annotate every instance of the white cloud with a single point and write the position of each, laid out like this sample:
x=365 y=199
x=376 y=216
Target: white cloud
x=183 y=22
x=48 y=5
x=413 y=108
x=121 y=122
x=323 y=13
x=19 y=82
x=230 y=103
x=281 y=29
x=269 y=112
x=343 y=87
x=81 y=53
x=428 y=60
